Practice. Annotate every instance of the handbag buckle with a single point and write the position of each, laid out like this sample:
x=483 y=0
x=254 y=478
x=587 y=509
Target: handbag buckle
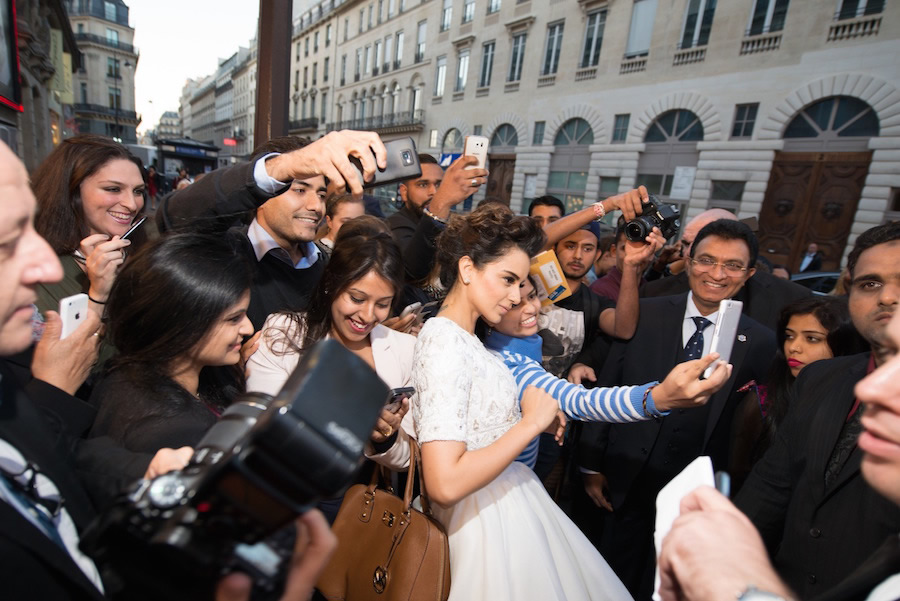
x=379 y=580
x=388 y=519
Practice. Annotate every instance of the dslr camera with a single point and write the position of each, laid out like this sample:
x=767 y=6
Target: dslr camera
x=655 y=214
x=264 y=462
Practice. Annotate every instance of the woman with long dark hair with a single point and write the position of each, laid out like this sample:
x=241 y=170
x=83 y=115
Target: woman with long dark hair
x=89 y=191
x=177 y=313
x=357 y=291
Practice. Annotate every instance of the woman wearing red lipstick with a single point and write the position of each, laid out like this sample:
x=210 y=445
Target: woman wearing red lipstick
x=177 y=314
x=809 y=330
x=89 y=191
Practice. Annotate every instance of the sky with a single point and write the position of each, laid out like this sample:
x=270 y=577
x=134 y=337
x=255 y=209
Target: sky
x=179 y=39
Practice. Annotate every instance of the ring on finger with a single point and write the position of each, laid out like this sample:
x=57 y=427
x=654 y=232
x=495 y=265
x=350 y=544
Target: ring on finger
x=390 y=430
x=474 y=182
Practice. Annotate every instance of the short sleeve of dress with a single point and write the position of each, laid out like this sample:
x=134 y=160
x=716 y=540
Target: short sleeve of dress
x=442 y=377
x=272 y=363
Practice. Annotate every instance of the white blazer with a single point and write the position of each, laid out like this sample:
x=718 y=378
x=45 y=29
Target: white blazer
x=393 y=354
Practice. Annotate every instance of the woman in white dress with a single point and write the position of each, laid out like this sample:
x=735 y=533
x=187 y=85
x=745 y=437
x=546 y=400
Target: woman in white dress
x=508 y=539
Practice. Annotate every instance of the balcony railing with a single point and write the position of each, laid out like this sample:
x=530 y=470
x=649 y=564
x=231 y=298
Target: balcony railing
x=860 y=27
x=105 y=110
x=413 y=120
x=688 y=56
x=761 y=43
x=304 y=124
x=102 y=41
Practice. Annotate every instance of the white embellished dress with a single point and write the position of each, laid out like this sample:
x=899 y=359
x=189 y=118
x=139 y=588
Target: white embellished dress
x=508 y=540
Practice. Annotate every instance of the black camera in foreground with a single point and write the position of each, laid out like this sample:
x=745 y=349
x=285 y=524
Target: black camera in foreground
x=655 y=214
x=265 y=462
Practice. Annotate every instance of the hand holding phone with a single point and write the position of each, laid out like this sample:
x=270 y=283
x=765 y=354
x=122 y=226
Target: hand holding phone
x=72 y=311
x=476 y=146
x=133 y=227
x=395 y=400
x=402 y=164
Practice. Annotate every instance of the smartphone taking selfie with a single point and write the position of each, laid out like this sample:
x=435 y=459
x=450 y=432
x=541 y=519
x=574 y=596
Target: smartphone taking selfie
x=725 y=332
x=402 y=164
x=476 y=146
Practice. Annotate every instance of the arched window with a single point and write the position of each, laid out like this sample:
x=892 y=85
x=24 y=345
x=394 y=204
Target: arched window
x=841 y=116
x=675 y=126
x=570 y=162
x=505 y=135
x=453 y=142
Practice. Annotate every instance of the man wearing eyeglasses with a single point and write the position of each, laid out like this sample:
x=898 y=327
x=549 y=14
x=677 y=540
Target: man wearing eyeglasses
x=631 y=463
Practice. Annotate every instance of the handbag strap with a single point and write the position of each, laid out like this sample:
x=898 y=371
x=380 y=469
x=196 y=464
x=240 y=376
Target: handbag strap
x=415 y=461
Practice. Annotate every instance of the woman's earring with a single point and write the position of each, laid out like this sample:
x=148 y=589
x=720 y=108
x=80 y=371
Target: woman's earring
x=466 y=282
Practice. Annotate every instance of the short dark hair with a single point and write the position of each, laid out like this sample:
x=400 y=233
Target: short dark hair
x=549 y=201
x=57 y=186
x=729 y=229
x=886 y=232
x=281 y=144
x=427 y=159
x=484 y=236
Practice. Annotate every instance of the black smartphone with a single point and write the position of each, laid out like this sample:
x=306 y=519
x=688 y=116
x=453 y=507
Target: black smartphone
x=134 y=226
x=396 y=398
x=402 y=164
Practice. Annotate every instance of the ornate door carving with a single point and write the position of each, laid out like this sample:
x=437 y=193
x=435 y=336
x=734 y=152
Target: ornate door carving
x=499 y=184
x=811 y=197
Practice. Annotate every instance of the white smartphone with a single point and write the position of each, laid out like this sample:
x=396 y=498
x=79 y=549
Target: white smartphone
x=476 y=146
x=413 y=308
x=725 y=331
x=72 y=311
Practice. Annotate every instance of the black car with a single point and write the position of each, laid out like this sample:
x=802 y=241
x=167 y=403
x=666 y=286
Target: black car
x=820 y=282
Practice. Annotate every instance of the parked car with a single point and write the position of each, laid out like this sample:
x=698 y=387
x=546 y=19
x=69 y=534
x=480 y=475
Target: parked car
x=820 y=282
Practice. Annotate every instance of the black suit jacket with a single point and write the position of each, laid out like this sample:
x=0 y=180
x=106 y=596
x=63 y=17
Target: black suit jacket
x=814 y=265
x=33 y=566
x=622 y=451
x=764 y=295
x=416 y=239
x=817 y=535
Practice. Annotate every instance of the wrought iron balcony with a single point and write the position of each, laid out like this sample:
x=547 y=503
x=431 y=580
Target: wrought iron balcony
x=395 y=122
x=310 y=123
x=102 y=41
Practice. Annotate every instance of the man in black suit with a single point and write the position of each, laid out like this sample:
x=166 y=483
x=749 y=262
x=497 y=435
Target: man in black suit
x=43 y=507
x=764 y=295
x=812 y=260
x=631 y=463
x=713 y=551
x=807 y=497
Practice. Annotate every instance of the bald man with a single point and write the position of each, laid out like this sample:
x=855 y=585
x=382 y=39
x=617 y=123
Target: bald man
x=764 y=295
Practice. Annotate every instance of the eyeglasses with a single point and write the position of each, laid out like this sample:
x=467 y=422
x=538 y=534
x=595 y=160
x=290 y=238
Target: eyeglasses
x=708 y=264
x=26 y=478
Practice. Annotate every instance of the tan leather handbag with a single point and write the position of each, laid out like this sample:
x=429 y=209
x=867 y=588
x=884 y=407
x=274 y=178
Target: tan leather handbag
x=387 y=550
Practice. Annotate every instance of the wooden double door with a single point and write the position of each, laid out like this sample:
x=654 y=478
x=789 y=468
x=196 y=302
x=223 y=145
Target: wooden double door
x=811 y=197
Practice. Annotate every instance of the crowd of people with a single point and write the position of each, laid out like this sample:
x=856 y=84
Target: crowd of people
x=546 y=429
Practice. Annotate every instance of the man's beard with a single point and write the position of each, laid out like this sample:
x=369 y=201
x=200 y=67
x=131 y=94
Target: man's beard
x=417 y=210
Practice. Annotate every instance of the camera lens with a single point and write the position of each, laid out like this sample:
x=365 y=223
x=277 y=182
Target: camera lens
x=635 y=230
x=406 y=156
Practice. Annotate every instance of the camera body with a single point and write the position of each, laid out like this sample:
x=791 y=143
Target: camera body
x=266 y=461
x=655 y=214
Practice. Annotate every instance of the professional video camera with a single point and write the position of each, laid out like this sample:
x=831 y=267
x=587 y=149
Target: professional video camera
x=654 y=214
x=265 y=462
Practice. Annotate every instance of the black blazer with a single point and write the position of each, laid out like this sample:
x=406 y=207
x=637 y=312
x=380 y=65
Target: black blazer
x=620 y=451
x=764 y=295
x=416 y=239
x=817 y=536
x=33 y=566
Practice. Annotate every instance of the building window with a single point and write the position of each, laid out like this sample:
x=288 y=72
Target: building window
x=115 y=98
x=593 y=39
x=305 y=77
x=517 y=58
x=554 y=45
x=316 y=42
x=858 y=8
x=767 y=16
x=432 y=138
x=505 y=135
x=112 y=36
x=538 y=137
x=325 y=68
x=343 y=69
x=658 y=184
x=697 y=23
x=346 y=28
x=446 y=15
x=487 y=64
x=468 y=11
x=641 y=30
x=362 y=17
x=392 y=4
x=744 y=119
x=109 y=11
x=315 y=71
x=303 y=108
x=371 y=10
x=112 y=67
x=84 y=96
x=476 y=130
x=398 y=60
x=575 y=132
x=841 y=116
x=358 y=67
x=453 y=142
x=620 y=127
x=388 y=51
x=328 y=35
x=378 y=56
x=380 y=11
x=368 y=62
x=462 y=70
x=609 y=186
x=569 y=163
x=306 y=47
x=440 y=75
x=324 y=105
x=675 y=126
x=725 y=194
x=420 y=41
x=493 y=6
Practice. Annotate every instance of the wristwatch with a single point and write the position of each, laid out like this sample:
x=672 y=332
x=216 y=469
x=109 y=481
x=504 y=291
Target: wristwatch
x=751 y=593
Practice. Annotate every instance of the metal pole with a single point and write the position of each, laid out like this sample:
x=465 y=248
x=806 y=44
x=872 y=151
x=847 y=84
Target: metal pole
x=273 y=70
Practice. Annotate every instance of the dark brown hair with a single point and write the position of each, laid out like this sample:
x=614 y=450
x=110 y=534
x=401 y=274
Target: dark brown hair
x=57 y=186
x=484 y=236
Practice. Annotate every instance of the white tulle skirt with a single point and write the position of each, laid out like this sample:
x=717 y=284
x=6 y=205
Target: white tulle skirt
x=510 y=541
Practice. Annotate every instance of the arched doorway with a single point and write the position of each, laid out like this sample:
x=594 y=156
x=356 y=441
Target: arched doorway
x=570 y=162
x=502 y=163
x=816 y=181
x=671 y=142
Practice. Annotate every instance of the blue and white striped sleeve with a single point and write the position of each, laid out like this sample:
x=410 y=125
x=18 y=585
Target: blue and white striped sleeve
x=616 y=404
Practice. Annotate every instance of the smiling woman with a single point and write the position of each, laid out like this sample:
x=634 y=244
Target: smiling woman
x=89 y=191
